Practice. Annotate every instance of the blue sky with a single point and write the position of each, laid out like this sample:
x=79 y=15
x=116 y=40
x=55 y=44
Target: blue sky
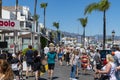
x=66 y=12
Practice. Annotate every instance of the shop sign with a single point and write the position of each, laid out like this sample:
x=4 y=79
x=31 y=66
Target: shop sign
x=9 y=24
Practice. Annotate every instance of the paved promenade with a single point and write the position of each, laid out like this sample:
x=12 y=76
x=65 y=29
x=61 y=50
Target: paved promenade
x=63 y=72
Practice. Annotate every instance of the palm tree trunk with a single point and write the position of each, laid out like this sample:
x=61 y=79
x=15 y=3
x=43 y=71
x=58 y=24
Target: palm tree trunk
x=104 y=29
x=33 y=37
x=83 y=36
x=35 y=5
x=44 y=21
x=16 y=8
x=0 y=8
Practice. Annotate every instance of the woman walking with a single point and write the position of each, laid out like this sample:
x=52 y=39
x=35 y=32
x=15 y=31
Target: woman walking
x=60 y=56
x=36 y=65
x=51 y=60
x=74 y=61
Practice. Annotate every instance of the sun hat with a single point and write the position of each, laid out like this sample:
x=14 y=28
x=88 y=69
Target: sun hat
x=51 y=45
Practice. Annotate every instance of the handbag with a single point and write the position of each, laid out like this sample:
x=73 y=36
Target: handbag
x=104 y=77
x=42 y=68
x=44 y=62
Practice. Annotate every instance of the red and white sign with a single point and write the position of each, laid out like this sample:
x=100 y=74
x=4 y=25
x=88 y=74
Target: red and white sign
x=12 y=46
x=9 y=24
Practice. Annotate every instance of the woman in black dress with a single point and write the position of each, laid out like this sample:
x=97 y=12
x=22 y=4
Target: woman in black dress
x=37 y=64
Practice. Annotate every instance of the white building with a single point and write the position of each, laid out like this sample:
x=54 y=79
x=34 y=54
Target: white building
x=25 y=25
x=69 y=41
x=23 y=15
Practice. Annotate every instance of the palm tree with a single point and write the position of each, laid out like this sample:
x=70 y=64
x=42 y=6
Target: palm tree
x=52 y=36
x=83 y=22
x=36 y=17
x=103 y=6
x=56 y=25
x=0 y=8
x=44 y=5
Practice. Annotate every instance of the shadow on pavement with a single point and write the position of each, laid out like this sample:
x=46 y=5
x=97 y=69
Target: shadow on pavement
x=55 y=78
x=42 y=79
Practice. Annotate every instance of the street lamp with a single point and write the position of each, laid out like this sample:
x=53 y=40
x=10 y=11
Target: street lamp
x=113 y=35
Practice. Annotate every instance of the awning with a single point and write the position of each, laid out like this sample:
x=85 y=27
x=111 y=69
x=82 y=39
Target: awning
x=28 y=35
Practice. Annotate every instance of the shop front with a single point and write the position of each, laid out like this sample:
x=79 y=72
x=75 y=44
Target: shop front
x=9 y=33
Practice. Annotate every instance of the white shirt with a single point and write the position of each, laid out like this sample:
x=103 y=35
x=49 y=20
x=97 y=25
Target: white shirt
x=76 y=59
x=117 y=54
x=46 y=50
x=112 y=71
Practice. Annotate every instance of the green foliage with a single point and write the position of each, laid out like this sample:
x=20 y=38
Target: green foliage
x=43 y=42
x=56 y=25
x=43 y=5
x=103 y=5
x=25 y=50
x=91 y=7
x=83 y=21
x=36 y=17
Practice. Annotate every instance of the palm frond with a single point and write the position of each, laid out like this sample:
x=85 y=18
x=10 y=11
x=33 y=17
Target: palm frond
x=43 y=5
x=83 y=21
x=36 y=17
x=56 y=24
x=91 y=7
x=104 y=5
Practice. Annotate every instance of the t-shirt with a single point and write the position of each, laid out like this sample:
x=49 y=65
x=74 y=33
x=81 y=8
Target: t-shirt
x=46 y=50
x=14 y=64
x=29 y=54
x=117 y=54
x=76 y=59
x=97 y=57
x=51 y=57
x=84 y=58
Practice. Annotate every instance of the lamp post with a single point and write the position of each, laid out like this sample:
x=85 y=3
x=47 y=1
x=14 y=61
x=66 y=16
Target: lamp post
x=113 y=36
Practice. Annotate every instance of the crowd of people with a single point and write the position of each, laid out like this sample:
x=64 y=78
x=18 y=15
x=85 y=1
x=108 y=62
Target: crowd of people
x=11 y=65
x=90 y=59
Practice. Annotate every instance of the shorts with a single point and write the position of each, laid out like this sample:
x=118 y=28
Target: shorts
x=29 y=64
x=16 y=72
x=60 y=58
x=51 y=66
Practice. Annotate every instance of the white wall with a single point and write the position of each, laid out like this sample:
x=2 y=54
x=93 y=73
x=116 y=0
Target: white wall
x=5 y=14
